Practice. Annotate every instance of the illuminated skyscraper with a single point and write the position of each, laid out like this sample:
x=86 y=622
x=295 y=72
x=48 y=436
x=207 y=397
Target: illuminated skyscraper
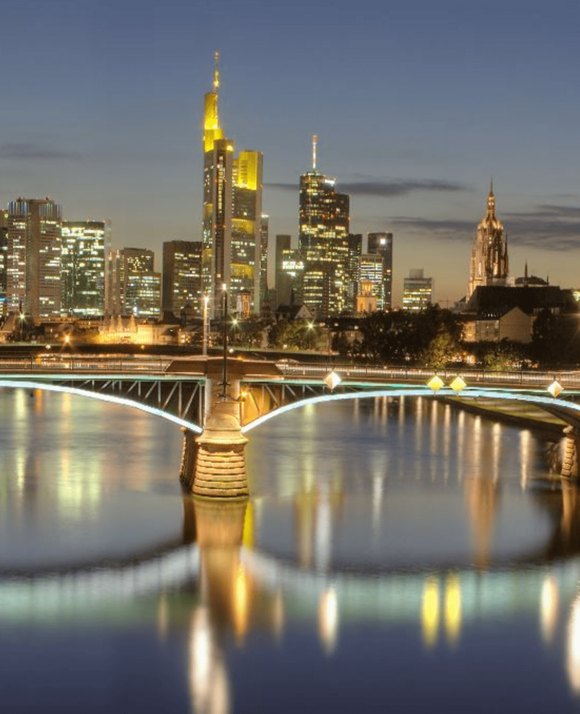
x=232 y=209
x=370 y=281
x=489 y=255
x=132 y=285
x=3 y=259
x=382 y=244
x=324 y=228
x=417 y=291
x=182 y=276
x=84 y=244
x=33 y=256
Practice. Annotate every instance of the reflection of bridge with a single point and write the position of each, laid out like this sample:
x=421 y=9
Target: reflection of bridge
x=190 y=393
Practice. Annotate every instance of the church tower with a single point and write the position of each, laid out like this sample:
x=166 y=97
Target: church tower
x=489 y=255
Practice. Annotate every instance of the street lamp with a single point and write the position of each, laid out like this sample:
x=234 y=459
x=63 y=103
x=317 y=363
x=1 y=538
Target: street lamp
x=223 y=394
x=205 y=324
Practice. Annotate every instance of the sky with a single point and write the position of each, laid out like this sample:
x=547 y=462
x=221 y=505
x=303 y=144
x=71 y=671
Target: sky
x=416 y=105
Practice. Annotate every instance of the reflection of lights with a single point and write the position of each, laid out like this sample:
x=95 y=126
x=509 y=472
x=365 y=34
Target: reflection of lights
x=453 y=609
x=496 y=453
x=525 y=440
x=162 y=617
x=573 y=647
x=241 y=603
x=248 y=539
x=430 y=612
x=549 y=607
x=208 y=681
x=328 y=620
x=278 y=615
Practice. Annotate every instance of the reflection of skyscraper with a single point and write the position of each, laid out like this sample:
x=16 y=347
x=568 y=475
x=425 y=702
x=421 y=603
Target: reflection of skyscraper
x=324 y=227
x=84 y=244
x=232 y=210
x=489 y=254
x=34 y=257
x=382 y=244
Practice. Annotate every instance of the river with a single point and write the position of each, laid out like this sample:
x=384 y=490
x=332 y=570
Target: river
x=396 y=555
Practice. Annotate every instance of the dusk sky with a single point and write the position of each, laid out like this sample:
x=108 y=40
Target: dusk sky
x=416 y=105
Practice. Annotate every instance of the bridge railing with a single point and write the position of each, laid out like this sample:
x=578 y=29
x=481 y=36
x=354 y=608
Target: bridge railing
x=82 y=363
x=525 y=378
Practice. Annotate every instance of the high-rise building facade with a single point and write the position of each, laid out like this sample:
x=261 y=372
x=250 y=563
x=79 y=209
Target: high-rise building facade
x=232 y=210
x=132 y=285
x=382 y=244
x=264 y=239
x=489 y=255
x=182 y=276
x=323 y=240
x=417 y=291
x=370 y=281
x=3 y=260
x=354 y=241
x=283 y=282
x=83 y=249
x=33 y=256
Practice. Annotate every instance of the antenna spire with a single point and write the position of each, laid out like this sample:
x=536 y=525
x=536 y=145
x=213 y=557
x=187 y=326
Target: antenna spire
x=216 y=71
x=314 y=145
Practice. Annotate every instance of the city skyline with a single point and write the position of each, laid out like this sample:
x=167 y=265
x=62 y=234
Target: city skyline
x=413 y=118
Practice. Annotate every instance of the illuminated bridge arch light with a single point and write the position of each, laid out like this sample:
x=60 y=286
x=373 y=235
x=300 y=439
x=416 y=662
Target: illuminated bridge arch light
x=473 y=393
x=111 y=399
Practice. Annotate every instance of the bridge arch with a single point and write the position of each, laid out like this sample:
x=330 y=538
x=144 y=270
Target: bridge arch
x=569 y=412
x=110 y=398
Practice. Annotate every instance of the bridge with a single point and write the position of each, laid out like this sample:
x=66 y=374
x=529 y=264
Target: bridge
x=217 y=401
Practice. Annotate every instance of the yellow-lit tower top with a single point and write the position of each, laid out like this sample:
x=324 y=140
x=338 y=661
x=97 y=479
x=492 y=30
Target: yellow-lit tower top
x=212 y=130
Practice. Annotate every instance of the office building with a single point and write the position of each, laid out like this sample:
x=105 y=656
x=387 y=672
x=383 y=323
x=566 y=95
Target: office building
x=264 y=238
x=292 y=277
x=182 y=277
x=323 y=241
x=132 y=285
x=370 y=282
x=489 y=255
x=232 y=212
x=33 y=257
x=382 y=244
x=283 y=282
x=417 y=291
x=3 y=260
x=83 y=249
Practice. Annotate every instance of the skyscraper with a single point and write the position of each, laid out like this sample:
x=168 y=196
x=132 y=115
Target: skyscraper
x=3 y=259
x=324 y=227
x=182 y=276
x=132 y=285
x=84 y=245
x=417 y=291
x=232 y=209
x=489 y=255
x=370 y=282
x=283 y=283
x=382 y=244
x=33 y=257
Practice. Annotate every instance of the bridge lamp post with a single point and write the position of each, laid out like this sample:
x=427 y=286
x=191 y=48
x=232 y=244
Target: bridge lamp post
x=224 y=391
x=458 y=385
x=435 y=383
x=205 y=324
x=555 y=389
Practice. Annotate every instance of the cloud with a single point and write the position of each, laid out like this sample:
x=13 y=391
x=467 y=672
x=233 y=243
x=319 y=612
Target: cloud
x=547 y=227
x=385 y=188
x=34 y=152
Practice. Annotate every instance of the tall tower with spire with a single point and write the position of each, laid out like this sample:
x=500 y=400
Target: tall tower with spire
x=324 y=227
x=232 y=207
x=489 y=256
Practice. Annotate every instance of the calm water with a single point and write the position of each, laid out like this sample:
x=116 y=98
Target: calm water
x=395 y=556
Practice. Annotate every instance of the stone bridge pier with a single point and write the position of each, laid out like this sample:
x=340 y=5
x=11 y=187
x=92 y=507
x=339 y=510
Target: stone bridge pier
x=570 y=456
x=213 y=464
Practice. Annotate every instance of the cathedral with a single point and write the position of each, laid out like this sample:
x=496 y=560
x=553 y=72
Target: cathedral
x=489 y=255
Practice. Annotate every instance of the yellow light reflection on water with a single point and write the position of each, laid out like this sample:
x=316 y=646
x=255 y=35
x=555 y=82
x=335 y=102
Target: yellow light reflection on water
x=241 y=604
x=430 y=612
x=328 y=620
x=549 y=605
x=452 y=609
x=573 y=647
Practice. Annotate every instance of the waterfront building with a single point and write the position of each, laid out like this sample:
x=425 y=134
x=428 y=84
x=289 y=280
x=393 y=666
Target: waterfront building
x=323 y=240
x=33 y=257
x=382 y=244
x=182 y=277
x=489 y=255
x=417 y=291
x=232 y=211
x=83 y=249
x=132 y=285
